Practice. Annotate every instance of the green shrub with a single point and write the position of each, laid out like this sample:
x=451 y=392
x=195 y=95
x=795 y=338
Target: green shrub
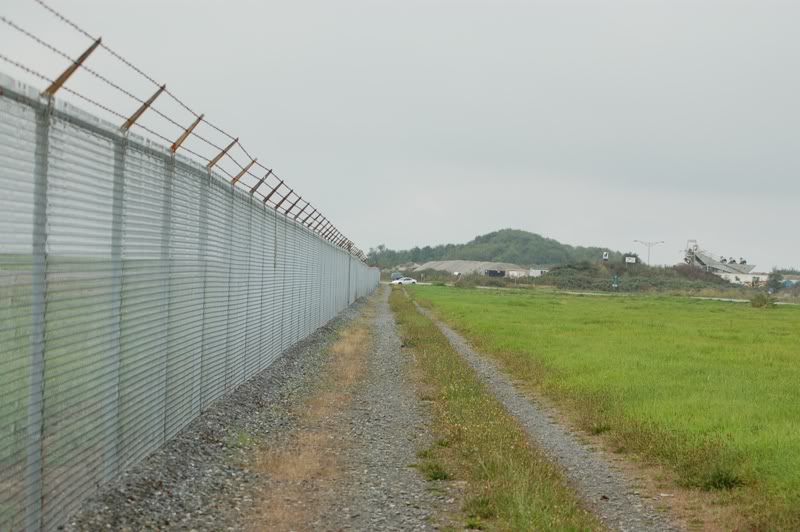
x=762 y=300
x=631 y=277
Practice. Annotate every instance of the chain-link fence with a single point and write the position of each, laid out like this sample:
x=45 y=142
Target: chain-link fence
x=136 y=287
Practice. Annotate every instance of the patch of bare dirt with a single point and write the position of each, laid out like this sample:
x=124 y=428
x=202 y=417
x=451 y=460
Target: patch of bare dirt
x=301 y=472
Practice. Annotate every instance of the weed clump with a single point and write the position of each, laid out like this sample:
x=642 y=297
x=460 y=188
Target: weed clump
x=762 y=300
x=480 y=507
x=433 y=470
x=473 y=523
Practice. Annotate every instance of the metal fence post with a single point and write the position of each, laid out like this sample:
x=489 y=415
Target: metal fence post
x=295 y=287
x=321 y=250
x=247 y=295
x=274 y=269
x=166 y=264
x=114 y=349
x=283 y=284
x=262 y=349
x=260 y=353
x=205 y=183
x=34 y=460
x=228 y=292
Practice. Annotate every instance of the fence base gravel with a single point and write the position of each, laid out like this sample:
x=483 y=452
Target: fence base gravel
x=199 y=479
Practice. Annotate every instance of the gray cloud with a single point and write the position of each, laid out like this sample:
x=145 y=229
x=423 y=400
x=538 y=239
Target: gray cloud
x=416 y=122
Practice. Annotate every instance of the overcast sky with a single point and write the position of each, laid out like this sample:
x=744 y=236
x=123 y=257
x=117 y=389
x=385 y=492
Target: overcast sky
x=427 y=122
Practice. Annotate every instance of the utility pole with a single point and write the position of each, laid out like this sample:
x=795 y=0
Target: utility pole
x=649 y=245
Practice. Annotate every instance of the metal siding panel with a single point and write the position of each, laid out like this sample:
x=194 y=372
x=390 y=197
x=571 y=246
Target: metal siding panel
x=78 y=318
x=17 y=205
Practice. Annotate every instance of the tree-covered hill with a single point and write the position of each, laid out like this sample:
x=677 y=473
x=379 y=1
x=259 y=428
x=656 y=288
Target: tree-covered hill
x=506 y=245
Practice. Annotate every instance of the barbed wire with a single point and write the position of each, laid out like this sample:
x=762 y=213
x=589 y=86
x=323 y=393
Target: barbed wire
x=334 y=236
x=67 y=57
x=94 y=103
x=139 y=71
x=128 y=64
x=101 y=78
x=154 y=82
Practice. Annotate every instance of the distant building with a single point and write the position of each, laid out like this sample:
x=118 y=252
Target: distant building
x=791 y=280
x=738 y=272
x=538 y=271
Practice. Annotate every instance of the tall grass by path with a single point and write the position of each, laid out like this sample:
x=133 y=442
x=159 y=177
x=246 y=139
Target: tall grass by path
x=512 y=485
x=709 y=389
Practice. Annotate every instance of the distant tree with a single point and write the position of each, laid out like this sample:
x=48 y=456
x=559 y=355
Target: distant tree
x=775 y=280
x=384 y=257
x=506 y=245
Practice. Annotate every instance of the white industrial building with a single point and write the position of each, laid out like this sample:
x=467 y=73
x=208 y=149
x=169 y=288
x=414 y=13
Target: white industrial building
x=738 y=272
x=538 y=271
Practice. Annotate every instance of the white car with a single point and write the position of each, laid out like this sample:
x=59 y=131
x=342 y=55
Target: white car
x=404 y=280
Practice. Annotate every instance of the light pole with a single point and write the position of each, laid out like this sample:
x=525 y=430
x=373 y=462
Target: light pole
x=649 y=245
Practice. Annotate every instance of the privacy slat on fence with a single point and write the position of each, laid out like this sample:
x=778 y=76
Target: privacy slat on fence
x=135 y=289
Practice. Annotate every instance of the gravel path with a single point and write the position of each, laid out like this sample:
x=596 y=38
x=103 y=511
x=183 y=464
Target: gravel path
x=607 y=491
x=387 y=425
x=202 y=479
x=211 y=476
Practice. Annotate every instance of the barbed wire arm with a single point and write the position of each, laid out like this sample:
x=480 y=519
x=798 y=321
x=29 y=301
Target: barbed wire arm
x=244 y=171
x=277 y=206
x=185 y=134
x=272 y=192
x=60 y=80
x=309 y=216
x=260 y=182
x=135 y=116
x=213 y=162
x=301 y=211
x=330 y=230
x=289 y=210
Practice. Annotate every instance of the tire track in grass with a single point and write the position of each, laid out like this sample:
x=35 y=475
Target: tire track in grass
x=511 y=484
x=616 y=503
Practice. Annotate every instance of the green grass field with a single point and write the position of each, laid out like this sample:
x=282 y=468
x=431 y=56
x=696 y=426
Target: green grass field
x=709 y=389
